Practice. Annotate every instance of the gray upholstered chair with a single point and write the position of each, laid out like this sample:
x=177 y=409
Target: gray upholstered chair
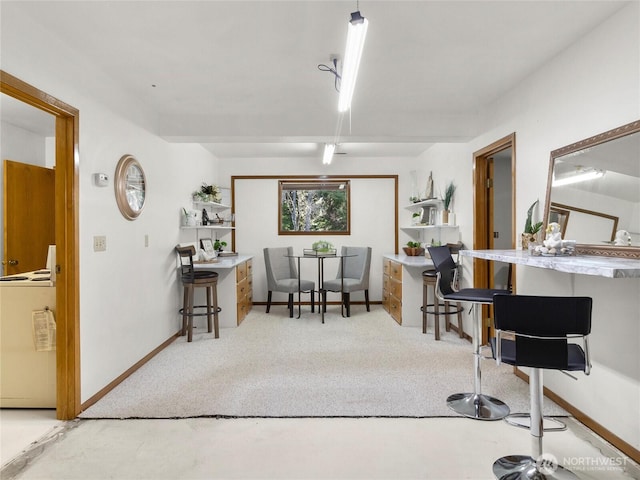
x=282 y=276
x=357 y=263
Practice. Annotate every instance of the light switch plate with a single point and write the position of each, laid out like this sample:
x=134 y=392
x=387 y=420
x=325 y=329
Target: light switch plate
x=99 y=243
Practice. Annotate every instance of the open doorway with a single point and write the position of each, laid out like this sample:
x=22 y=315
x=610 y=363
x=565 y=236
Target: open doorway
x=66 y=239
x=494 y=169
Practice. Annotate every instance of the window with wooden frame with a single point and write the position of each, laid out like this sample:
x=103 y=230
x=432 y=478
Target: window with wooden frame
x=314 y=207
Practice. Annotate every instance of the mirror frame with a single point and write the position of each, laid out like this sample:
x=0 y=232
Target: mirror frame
x=592 y=249
x=123 y=184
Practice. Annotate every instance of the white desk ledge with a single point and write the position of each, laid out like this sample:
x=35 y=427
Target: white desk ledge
x=223 y=262
x=418 y=261
x=610 y=267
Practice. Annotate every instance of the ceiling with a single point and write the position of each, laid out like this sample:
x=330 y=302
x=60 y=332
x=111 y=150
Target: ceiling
x=242 y=77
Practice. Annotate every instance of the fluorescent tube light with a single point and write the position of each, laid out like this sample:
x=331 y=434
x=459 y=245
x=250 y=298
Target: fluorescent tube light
x=579 y=176
x=329 y=148
x=353 y=52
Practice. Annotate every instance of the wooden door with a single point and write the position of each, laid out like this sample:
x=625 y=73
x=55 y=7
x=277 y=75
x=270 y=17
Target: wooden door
x=483 y=212
x=490 y=215
x=29 y=216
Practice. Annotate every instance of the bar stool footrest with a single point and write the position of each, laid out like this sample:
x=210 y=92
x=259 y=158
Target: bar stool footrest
x=455 y=310
x=523 y=420
x=199 y=314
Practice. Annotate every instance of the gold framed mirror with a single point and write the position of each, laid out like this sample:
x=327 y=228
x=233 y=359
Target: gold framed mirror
x=130 y=187
x=599 y=175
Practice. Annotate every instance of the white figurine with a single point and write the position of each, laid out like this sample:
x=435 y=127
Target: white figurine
x=554 y=237
x=622 y=238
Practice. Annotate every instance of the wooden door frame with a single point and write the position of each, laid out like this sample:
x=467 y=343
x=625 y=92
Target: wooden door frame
x=66 y=235
x=481 y=215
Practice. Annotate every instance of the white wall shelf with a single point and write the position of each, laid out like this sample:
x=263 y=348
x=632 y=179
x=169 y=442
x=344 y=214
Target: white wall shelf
x=431 y=202
x=213 y=206
x=207 y=227
x=430 y=227
x=436 y=233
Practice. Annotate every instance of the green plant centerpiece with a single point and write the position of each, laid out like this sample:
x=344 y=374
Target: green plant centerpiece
x=413 y=249
x=322 y=246
x=531 y=229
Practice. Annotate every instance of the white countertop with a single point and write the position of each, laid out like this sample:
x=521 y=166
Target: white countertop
x=33 y=279
x=419 y=261
x=223 y=262
x=611 y=267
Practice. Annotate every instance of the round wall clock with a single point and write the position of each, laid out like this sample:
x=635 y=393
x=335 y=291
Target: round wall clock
x=130 y=185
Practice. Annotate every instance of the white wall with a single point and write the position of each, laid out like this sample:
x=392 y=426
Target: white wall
x=128 y=294
x=21 y=145
x=372 y=220
x=590 y=88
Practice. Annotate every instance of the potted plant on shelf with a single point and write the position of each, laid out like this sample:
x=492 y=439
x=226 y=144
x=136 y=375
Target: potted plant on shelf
x=188 y=218
x=413 y=249
x=415 y=218
x=207 y=193
x=447 y=200
x=219 y=245
x=530 y=229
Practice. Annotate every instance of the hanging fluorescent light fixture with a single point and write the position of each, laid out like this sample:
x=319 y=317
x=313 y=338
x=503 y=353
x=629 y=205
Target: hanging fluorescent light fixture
x=329 y=148
x=355 y=43
x=581 y=175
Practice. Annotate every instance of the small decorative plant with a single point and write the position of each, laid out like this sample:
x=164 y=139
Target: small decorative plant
x=322 y=246
x=413 y=249
x=219 y=245
x=448 y=196
x=529 y=227
x=189 y=218
x=207 y=193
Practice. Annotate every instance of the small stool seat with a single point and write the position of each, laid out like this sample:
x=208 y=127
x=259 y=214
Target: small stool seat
x=191 y=279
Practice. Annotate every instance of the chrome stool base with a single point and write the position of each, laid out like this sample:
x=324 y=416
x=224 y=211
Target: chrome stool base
x=522 y=467
x=478 y=406
x=523 y=420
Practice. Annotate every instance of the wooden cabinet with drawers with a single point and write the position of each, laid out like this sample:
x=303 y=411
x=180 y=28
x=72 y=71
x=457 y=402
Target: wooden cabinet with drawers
x=244 y=289
x=392 y=289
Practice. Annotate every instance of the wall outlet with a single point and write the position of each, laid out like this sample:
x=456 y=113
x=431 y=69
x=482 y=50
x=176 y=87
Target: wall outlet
x=99 y=243
x=146 y=240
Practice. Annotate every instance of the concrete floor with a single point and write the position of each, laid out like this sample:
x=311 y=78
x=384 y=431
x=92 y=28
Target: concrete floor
x=291 y=448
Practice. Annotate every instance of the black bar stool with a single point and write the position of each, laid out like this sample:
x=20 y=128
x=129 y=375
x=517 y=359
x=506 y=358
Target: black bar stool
x=429 y=283
x=472 y=405
x=542 y=327
x=192 y=279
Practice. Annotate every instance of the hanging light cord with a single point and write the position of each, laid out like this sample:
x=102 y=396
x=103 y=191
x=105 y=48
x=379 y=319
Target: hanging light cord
x=326 y=68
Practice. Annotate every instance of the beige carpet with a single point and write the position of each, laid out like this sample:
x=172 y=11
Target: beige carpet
x=275 y=366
